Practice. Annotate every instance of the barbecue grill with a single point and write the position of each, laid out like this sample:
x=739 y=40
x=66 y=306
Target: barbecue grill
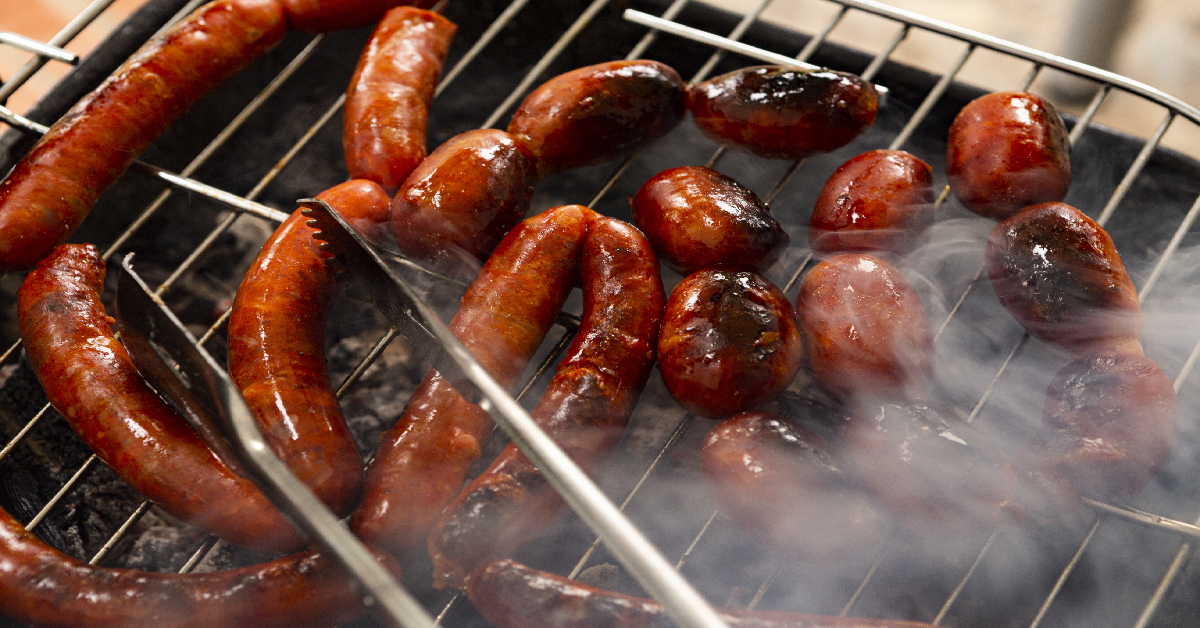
x=211 y=190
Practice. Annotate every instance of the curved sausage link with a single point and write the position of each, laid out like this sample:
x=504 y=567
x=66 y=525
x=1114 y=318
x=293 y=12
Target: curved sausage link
x=40 y=586
x=54 y=187
x=277 y=349
x=502 y=319
x=585 y=408
x=387 y=103
x=91 y=380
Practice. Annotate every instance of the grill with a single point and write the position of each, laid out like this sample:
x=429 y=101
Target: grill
x=272 y=135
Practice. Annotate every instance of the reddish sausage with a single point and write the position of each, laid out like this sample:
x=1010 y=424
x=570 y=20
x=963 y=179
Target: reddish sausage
x=511 y=595
x=40 y=586
x=585 y=408
x=277 y=349
x=423 y=460
x=387 y=103
x=92 y=382
x=54 y=187
x=325 y=16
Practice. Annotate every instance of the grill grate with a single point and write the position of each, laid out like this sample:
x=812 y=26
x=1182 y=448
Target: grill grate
x=1120 y=569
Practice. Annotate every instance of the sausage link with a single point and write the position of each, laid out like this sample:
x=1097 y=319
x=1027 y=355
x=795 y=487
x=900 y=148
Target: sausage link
x=39 y=586
x=53 y=188
x=277 y=349
x=511 y=595
x=326 y=16
x=387 y=103
x=585 y=407
x=502 y=319
x=91 y=380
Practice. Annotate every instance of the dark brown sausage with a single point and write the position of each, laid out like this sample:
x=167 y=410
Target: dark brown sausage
x=277 y=349
x=585 y=407
x=729 y=342
x=511 y=595
x=697 y=217
x=879 y=202
x=1059 y=274
x=459 y=203
x=600 y=112
x=387 y=103
x=326 y=16
x=40 y=586
x=787 y=486
x=783 y=113
x=502 y=319
x=1006 y=151
x=92 y=382
x=54 y=187
x=866 y=336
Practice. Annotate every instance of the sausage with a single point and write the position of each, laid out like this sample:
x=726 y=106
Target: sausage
x=585 y=407
x=729 y=342
x=1060 y=275
x=387 y=103
x=423 y=460
x=1006 y=151
x=92 y=382
x=277 y=349
x=879 y=202
x=40 y=586
x=697 y=217
x=783 y=113
x=53 y=188
x=866 y=336
x=459 y=203
x=326 y=16
x=600 y=112
x=511 y=595
x=787 y=487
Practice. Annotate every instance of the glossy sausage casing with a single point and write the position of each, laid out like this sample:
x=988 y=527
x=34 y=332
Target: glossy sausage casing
x=1006 y=151
x=585 y=407
x=50 y=192
x=387 y=103
x=326 y=16
x=277 y=348
x=785 y=113
x=503 y=317
x=92 y=382
x=600 y=112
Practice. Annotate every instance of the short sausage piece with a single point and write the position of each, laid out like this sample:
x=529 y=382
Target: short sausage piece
x=585 y=407
x=40 y=586
x=879 y=202
x=423 y=460
x=597 y=113
x=50 y=192
x=1060 y=276
x=787 y=487
x=784 y=113
x=1006 y=151
x=697 y=217
x=866 y=336
x=277 y=348
x=92 y=382
x=729 y=342
x=326 y=16
x=387 y=103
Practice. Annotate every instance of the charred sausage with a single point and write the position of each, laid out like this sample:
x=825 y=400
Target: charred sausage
x=387 y=103
x=879 y=202
x=92 y=382
x=40 y=586
x=600 y=112
x=423 y=460
x=277 y=349
x=585 y=407
x=697 y=217
x=51 y=191
x=784 y=113
x=326 y=16
x=1006 y=151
